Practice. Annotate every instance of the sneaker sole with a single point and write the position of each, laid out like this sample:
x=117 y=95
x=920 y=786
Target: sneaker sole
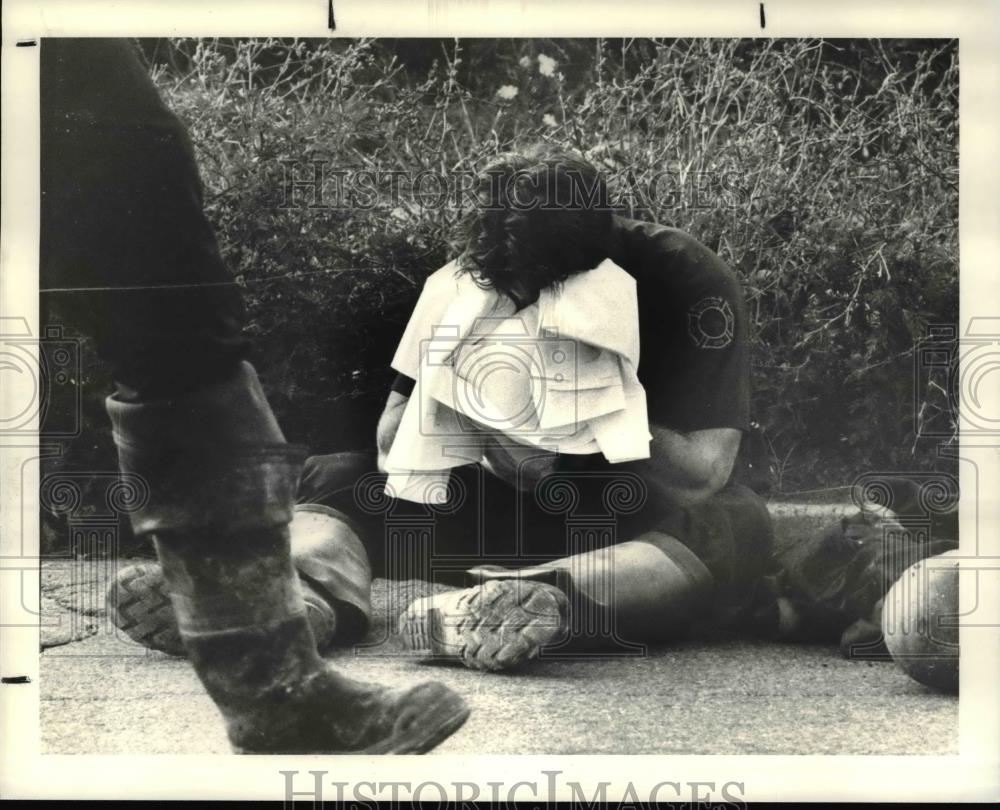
x=139 y=605
x=497 y=625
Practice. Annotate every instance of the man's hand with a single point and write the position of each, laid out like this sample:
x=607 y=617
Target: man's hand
x=521 y=466
x=688 y=468
x=388 y=424
x=685 y=468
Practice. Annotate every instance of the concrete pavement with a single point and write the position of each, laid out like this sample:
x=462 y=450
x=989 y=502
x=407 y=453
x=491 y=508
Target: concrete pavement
x=102 y=694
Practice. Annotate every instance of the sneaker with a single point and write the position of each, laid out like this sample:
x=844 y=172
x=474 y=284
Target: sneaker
x=496 y=625
x=138 y=604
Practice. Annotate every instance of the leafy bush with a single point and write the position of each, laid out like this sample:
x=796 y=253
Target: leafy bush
x=824 y=172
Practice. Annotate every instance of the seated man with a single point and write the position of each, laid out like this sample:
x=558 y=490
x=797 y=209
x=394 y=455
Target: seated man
x=649 y=548
x=561 y=548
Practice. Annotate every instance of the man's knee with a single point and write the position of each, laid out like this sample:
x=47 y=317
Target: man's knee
x=731 y=533
x=332 y=479
x=329 y=555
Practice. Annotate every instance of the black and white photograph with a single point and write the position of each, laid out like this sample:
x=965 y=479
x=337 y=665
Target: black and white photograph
x=500 y=396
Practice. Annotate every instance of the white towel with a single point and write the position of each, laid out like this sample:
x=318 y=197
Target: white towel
x=558 y=375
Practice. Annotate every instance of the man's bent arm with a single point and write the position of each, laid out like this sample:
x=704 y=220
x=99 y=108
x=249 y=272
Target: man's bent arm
x=688 y=468
x=685 y=468
x=388 y=424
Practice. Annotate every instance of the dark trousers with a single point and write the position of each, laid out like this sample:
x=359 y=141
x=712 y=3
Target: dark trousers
x=122 y=226
x=485 y=521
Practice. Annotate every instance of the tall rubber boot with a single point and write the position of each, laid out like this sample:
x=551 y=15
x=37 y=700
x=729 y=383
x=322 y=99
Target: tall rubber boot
x=649 y=589
x=222 y=481
x=242 y=619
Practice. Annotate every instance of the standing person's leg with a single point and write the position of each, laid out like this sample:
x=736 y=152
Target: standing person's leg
x=122 y=220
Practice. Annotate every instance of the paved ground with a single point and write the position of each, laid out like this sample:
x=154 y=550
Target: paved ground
x=103 y=694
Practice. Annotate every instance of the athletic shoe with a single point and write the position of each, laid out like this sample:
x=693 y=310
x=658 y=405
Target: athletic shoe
x=496 y=625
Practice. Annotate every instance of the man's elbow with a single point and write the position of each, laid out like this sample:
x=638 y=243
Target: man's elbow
x=719 y=476
x=719 y=449
x=711 y=482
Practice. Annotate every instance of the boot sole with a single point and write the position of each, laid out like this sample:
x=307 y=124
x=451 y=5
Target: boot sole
x=434 y=724
x=497 y=625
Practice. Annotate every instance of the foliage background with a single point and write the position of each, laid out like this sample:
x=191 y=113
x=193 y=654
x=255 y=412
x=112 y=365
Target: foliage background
x=824 y=172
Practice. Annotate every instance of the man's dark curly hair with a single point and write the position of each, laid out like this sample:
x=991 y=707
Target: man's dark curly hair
x=542 y=216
